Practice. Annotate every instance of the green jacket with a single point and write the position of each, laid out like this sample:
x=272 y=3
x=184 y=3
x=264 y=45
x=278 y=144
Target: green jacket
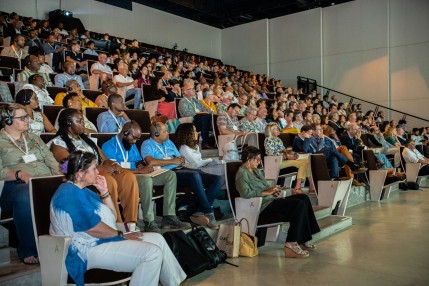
x=252 y=185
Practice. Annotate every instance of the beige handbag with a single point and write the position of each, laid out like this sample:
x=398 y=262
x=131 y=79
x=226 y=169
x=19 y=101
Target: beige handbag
x=248 y=243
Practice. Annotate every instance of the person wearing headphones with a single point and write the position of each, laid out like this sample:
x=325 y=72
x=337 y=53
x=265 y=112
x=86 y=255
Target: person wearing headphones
x=74 y=86
x=68 y=74
x=72 y=100
x=31 y=67
x=37 y=84
x=122 y=149
x=108 y=87
x=160 y=151
x=121 y=183
x=39 y=123
x=22 y=155
x=114 y=119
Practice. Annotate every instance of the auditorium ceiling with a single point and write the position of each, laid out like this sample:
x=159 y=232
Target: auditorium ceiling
x=227 y=13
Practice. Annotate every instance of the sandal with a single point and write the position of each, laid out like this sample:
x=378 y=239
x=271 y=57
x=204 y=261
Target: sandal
x=31 y=260
x=308 y=246
x=294 y=251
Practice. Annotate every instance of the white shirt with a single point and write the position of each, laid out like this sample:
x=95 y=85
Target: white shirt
x=192 y=157
x=42 y=94
x=412 y=156
x=123 y=79
x=103 y=68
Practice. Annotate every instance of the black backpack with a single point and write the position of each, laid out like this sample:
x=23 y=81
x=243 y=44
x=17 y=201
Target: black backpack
x=191 y=260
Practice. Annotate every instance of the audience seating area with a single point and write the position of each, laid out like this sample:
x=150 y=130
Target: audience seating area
x=270 y=97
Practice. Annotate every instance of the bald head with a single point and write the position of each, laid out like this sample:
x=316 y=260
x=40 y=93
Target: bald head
x=131 y=126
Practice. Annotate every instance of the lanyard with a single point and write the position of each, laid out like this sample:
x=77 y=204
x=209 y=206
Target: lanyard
x=117 y=122
x=14 y=143
x=193 y=104
x=122 y=151
x=163 y=152
x=20 y=56
x=229 y=118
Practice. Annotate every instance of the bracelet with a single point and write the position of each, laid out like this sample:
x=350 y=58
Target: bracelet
x=105 y=195
x=17 y=175
x=120 y=233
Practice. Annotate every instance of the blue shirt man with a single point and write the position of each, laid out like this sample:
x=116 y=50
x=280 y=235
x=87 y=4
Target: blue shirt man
x=161 y=151
x=113 y=120
x=123 y=150
x=115 y=150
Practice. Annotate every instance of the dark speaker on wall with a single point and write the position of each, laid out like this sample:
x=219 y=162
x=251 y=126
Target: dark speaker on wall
x=65 y=17
x=125 y=4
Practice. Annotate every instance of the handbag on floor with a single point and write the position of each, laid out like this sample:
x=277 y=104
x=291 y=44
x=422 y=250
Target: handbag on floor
x=205 y=244
x=248 y=243
x=190 y=258
x=228 y=239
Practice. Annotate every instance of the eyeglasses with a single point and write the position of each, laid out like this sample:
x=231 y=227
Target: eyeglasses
x=22 y=118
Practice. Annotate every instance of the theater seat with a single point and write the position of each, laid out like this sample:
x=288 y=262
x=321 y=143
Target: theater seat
x=244 y=208
x=333 y=194
x=53 y=249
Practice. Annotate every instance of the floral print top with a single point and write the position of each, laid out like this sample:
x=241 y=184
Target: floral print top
x=273 y=146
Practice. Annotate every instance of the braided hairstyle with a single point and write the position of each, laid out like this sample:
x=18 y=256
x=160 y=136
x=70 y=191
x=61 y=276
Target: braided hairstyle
x=65 y=120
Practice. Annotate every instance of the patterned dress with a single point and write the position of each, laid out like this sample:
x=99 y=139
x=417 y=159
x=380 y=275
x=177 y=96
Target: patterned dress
x=246 y=125
x=273 y=146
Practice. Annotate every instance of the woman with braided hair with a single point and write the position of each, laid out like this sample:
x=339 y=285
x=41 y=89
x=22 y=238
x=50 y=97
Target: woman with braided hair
x=121 y=183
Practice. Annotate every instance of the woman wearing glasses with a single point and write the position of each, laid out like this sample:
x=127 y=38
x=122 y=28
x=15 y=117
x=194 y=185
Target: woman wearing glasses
x=296 y=209
x=39 y=123
x=22 y=155
x=89 y=219
x=122 y=183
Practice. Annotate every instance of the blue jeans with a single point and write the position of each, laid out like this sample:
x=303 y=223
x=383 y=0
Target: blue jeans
x=334 y=159
x=137 y=92
x=383 y=158
x=16 y=197
x=205 y=186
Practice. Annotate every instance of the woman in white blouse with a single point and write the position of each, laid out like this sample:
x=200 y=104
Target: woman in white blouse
x=39 y=123
x=186 y=140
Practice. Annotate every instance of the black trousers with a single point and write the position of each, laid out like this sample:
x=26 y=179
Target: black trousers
x=296 y=210
x=424 y=171
x=203 y=123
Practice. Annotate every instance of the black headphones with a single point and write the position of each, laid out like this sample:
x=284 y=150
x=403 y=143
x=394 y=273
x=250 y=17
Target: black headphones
x=156 y=133
x=8 y=120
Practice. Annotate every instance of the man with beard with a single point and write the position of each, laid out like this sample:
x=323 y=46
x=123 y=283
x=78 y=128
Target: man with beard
x=122 y=149
x=113 y=120
x=17 y=49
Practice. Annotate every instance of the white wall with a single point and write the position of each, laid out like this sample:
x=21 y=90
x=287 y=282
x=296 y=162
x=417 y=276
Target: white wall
x=245 y=46
x=376 y=50
x=143 y=23
x=409 y=56
x=295 y=46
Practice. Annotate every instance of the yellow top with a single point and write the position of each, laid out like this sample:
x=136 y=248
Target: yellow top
x=60 y=96
x=210 y=106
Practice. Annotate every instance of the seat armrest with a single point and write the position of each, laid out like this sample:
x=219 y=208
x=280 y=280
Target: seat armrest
x=52 y=254
x=272 y=167
x=249 y=209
